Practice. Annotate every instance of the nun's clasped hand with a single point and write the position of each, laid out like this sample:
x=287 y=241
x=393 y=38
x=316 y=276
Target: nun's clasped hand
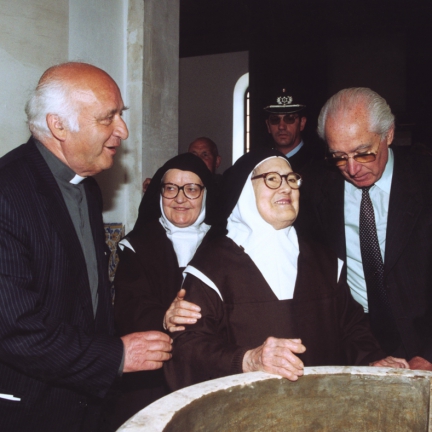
x=276 y=356
x=181 y=312
x=392 y=362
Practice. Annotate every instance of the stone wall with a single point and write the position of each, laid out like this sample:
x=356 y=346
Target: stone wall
x=32 y=38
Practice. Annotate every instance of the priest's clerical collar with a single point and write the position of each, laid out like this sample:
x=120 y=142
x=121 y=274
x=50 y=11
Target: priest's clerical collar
x=77 y=179
x=58 y=168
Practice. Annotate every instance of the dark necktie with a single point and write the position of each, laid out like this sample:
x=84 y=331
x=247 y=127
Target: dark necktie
x=381 y=317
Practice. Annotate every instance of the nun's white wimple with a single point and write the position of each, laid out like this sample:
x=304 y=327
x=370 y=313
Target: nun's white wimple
x=186 y=240
x=274 y=252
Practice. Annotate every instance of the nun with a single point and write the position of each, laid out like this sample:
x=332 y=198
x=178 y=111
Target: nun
x=170 y=227
x=270 y=301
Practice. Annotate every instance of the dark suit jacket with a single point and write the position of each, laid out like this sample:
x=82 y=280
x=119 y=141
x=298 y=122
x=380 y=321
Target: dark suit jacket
x=408 y=251
x=304 y=157
x=55 y=356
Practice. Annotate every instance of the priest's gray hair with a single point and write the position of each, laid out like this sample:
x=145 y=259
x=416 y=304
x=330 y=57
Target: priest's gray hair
x=52 y=96
x=381 y=119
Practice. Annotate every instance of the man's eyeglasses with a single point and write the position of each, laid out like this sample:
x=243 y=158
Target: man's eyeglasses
x=341 y=159
x=287 y=118
x=273 y=180
x=191 y=190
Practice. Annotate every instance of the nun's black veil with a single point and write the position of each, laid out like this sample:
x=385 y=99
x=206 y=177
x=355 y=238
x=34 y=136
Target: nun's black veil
x=232 y=184
x=149 y=208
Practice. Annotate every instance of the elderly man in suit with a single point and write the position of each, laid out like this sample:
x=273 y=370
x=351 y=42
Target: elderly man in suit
x=373 y=206
x=58 y=354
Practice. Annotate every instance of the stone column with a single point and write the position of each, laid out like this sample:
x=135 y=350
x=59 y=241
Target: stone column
x=160 y=79
x=152 y=92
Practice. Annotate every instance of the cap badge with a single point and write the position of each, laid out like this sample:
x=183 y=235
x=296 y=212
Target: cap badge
x=284 y=100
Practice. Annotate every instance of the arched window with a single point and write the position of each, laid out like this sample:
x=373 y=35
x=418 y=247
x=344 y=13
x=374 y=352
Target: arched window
x=247 y=122
x=239 y=115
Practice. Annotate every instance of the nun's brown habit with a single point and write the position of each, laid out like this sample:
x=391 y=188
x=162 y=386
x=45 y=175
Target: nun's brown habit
x=322 y=312
x=147 y=282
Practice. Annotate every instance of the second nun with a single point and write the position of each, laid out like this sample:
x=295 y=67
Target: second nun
x=170 y=227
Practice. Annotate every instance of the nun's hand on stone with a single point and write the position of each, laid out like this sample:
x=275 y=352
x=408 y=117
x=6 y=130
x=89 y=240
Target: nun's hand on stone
x=276 y=356
x=181 y=312
x=392 y=362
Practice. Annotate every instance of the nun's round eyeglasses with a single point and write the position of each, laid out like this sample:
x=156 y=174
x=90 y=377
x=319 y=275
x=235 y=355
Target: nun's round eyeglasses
x=273 y=180
x=190 y=190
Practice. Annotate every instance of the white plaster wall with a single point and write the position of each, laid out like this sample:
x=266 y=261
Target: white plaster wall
x=32 y=38
x=97 y=35
x=206 y=99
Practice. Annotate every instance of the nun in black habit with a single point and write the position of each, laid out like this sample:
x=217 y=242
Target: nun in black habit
x=269 y=300
x=170 y=227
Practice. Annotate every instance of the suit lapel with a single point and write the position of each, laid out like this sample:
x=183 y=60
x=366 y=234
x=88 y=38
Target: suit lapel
x=61 y=222
x=405 y=205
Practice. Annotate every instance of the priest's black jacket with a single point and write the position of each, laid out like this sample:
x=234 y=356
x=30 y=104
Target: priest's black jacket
x=57 y=360
x=322 y=313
